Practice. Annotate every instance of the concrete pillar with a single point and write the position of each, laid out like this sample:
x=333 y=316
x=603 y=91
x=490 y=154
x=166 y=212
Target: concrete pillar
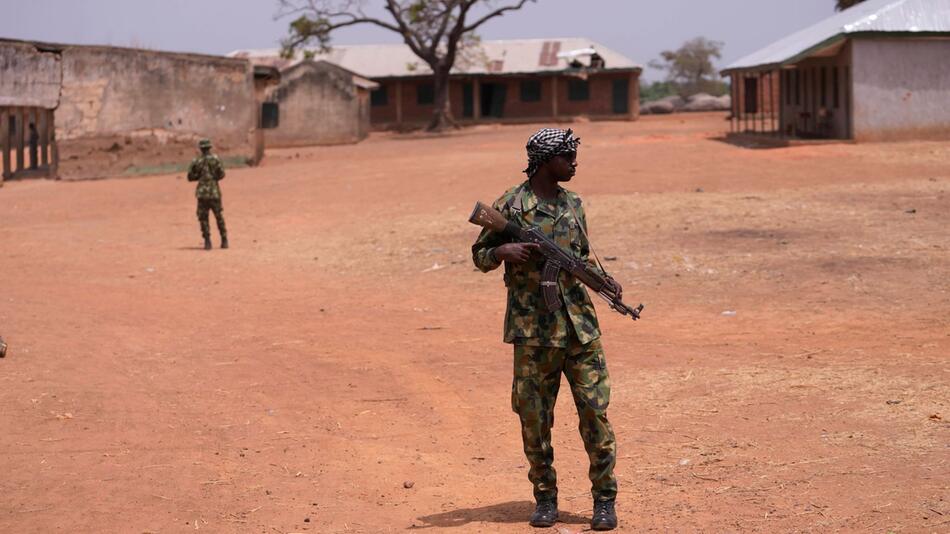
x=782 y=85
x=5 y=170
x=633 y=96
x=554 y=96
x=53 y=149
x=19 y=115
x=399 y=102
x=44 y=136
x=734 y=97
x=476 y=99
x=33 y=118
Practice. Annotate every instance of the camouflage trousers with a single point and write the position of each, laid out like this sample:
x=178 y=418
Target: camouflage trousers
x=211 y=204
x=537 y=378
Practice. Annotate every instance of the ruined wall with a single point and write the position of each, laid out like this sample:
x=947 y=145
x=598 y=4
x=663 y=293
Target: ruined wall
x=318 y=104
x=129 y=111
x=109 y=91
x=901 y=88
x=148 y=108
x=28 y=77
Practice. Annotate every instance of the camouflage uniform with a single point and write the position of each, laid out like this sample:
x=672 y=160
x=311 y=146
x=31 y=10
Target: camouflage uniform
x=207 y=170
x=547 y=344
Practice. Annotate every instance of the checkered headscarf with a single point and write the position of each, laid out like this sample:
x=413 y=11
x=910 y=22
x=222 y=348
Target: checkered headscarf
x=547 y=143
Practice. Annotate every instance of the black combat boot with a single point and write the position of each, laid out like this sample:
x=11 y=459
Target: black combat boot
x=224 y=241
x=207 y=242
x=545 y=514
x=605 y=517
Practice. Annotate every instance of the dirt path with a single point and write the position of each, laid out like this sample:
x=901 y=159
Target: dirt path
x=344 y=345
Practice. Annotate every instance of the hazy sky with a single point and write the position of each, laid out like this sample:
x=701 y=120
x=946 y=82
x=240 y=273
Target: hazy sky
x=639 y=29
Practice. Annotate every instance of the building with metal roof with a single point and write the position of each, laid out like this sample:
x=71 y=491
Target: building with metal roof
x=879 y=70
x=503 y=80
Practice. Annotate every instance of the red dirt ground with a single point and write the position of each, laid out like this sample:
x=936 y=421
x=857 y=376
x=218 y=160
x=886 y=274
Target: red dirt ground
x=344 y=345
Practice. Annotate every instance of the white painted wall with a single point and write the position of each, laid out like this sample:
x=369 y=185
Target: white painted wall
x=901 y=88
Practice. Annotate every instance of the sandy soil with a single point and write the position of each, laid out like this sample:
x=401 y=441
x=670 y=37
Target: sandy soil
x=344 y=346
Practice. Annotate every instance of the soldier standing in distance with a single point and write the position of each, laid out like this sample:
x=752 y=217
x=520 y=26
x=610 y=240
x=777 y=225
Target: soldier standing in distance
x=208 y=170
x=547 y=344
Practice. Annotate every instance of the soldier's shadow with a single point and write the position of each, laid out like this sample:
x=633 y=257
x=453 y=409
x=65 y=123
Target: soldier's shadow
x=506 y=512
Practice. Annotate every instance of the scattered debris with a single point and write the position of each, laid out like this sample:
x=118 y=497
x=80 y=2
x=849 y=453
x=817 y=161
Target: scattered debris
x=893 y=402
x=435 y=267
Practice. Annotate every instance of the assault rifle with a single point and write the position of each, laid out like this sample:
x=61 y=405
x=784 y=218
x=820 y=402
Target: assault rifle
x=556 y=260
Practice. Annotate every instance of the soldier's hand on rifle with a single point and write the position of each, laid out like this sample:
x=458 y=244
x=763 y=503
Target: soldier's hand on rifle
x=614 y=286
x=515 y=252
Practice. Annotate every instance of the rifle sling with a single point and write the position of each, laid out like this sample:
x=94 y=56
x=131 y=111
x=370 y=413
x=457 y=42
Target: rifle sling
x=590 y=246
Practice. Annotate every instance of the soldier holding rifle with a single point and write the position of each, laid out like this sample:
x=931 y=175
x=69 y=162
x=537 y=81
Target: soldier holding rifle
x=539 y=231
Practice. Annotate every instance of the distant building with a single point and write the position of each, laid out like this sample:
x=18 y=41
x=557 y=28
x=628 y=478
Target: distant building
x=102 y=110
x=316 y=103
x=499 y=81
x=877 y=71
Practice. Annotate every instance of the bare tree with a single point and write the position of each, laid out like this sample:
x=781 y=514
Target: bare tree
x=434 y=30
x=841 y=5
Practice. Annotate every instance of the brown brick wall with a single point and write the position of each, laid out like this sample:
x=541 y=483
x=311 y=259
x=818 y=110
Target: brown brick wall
x=600 y=103
x=769 y=82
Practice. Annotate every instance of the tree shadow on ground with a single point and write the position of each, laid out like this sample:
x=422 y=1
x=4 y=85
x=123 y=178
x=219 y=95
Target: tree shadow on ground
x=507 y=512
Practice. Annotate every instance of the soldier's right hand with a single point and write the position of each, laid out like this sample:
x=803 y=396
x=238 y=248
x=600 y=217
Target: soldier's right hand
x=516 y=252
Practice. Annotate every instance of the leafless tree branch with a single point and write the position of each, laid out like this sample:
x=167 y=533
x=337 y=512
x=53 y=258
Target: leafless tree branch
x=435 y=30
x=496 y=13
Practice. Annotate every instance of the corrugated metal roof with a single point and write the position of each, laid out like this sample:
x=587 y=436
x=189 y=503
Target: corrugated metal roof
x=496 y=57
x=884 y=16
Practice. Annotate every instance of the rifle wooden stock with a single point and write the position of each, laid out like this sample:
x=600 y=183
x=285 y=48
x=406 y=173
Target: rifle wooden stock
x=488 y=217
x=557 y=259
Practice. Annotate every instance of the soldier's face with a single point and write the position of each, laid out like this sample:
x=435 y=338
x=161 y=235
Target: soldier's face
x=564 y=166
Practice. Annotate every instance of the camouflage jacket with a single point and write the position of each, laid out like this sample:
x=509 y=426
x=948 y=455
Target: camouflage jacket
x=206 y=170
x=527 y=321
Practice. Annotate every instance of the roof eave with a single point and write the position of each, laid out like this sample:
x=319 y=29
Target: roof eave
x=502 y=74
x=833 y=40
x=804 y=54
